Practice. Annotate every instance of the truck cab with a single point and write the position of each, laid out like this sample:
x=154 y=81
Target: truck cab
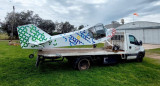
x=134 y=47
x=128 y=43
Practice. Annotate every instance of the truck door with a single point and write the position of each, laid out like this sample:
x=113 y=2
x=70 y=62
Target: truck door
x=133 y=47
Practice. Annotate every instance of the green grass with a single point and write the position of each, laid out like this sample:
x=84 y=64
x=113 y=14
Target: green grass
x=16 y=69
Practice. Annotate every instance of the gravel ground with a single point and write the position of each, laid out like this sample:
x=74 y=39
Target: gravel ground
x=150 y=46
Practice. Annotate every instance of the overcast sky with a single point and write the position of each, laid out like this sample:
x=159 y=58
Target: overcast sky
x=86 y=12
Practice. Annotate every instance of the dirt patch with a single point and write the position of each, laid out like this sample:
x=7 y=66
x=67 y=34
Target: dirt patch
x=153 y=55
x=151 y=46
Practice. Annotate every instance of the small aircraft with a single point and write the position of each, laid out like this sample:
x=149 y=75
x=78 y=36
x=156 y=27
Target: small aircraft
x=32 y=37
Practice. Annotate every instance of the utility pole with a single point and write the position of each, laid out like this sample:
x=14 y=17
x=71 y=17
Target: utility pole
x=0 y=22
x=12 y=23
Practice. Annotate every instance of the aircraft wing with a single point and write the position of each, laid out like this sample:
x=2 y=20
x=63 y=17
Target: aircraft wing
x=32 y=37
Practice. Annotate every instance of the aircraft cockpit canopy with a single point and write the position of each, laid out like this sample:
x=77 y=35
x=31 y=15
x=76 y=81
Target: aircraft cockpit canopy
x=97 y=31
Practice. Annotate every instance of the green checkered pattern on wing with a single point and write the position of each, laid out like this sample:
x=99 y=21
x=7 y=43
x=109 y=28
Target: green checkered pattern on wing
x=27 y=32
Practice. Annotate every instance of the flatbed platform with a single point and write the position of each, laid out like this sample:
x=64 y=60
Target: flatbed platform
x=76 y=52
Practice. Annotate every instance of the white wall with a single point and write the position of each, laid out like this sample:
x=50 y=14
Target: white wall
x=137 y=33
x=151 y=36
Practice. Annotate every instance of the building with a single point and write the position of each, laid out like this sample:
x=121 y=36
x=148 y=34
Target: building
x=147 y=32
x=114 y=24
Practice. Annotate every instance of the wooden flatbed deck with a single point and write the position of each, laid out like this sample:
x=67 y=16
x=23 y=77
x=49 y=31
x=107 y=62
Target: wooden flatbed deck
x=76 y=52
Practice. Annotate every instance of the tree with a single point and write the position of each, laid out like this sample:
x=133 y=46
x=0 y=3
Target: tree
x=37 y=20
x=29 y=17
x=80 y=27
x=23 y=18
x=67 y=27
x=48 y=26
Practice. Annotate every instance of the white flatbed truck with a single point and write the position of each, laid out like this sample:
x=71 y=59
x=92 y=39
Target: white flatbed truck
x=127 y=48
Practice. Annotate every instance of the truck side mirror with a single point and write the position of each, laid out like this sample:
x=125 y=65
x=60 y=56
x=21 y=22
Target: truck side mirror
x=140 y=42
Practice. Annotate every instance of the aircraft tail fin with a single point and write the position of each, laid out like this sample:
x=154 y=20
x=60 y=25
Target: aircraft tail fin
x=31 y=36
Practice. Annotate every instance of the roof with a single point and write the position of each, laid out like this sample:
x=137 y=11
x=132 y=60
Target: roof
x=113 y=25
x=139 y=25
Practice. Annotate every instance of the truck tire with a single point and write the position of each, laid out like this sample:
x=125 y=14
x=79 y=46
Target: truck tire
x=140 y=57
x=115 y=48
x=31 y=56
x=82 y=64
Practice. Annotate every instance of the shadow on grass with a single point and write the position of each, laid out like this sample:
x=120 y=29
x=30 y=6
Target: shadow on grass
x=54 y=66
x=65 y=66
x=28 y=66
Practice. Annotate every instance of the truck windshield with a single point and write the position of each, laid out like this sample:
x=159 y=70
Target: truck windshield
x=97 y=31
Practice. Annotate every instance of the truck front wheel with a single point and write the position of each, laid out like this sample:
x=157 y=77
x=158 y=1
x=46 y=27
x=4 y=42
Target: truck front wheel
x=140 y=57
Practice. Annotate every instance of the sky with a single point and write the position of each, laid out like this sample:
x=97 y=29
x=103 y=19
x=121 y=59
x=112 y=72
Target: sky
x=86 y=12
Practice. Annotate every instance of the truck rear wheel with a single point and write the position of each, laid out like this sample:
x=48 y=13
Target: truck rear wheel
x=82 y=64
